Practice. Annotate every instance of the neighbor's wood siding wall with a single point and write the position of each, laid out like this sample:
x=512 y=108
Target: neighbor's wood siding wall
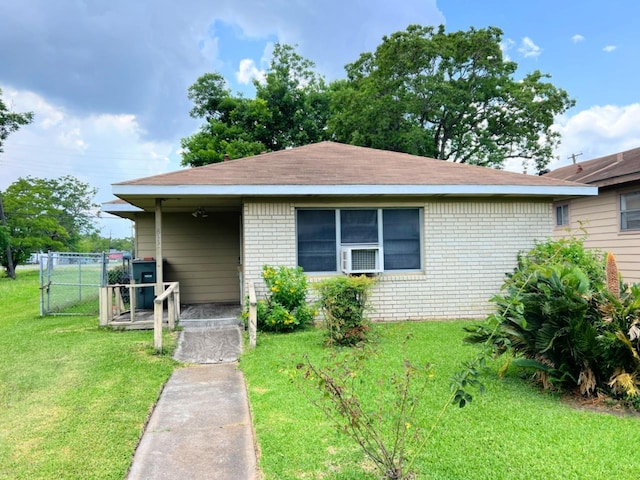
x=202 y=253
x=599 y=216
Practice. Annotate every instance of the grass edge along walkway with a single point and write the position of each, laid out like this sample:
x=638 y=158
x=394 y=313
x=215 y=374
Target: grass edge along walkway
x=74 y=397
x=512 y=431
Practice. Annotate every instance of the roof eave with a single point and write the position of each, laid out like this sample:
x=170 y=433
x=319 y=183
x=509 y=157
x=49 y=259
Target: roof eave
x=116 y=208
x=346 y=190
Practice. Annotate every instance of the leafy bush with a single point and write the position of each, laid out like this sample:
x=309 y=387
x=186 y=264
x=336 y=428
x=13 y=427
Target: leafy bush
x=285 y=308
x=344 y=301
x=117 y=275
x=620 y=341
x=558 y=315
x=120 y=275
x=386 y=424
x=568 y=252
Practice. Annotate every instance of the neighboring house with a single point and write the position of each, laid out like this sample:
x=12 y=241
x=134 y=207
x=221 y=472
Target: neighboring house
x=440 y=236
x=611 y=220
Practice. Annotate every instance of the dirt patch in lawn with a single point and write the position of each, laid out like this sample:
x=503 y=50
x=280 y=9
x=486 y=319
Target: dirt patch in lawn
x=600 y=404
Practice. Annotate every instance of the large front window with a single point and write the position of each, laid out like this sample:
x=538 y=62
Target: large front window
x=630 y=211
x=323 y=233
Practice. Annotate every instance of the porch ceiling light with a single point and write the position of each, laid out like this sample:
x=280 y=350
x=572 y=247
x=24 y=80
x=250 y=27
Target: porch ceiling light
x=200 y=213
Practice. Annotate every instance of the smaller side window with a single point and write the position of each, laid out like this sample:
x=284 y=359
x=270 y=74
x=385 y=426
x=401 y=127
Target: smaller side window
x=562 y=215
x=630 y=211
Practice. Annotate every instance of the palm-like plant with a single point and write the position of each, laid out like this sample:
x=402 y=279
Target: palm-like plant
x=553 y=329
x=560 y=315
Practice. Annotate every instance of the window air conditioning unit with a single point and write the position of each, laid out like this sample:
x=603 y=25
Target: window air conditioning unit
x=361 y=259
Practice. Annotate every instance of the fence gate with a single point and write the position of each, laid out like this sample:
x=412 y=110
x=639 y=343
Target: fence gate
x=69 y=282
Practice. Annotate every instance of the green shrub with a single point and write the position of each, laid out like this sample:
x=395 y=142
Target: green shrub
x=620 y=341
x=344 y=301
x=120 y=275
x=557 y=315
x=569 y=252
x=117 y=275
x=285 y=307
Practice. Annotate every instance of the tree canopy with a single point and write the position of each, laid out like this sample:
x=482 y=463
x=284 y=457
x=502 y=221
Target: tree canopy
x=46 y=214
x=290 y=109
x=9 y=123
x=451 y=96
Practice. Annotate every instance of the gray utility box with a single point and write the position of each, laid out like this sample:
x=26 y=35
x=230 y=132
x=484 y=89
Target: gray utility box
x=144 y=271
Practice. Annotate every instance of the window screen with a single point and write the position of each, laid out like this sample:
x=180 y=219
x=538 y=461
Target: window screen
x=317 y=240
x=401 y=239
x=630 y=211
x=562 y=215
x=358 y=226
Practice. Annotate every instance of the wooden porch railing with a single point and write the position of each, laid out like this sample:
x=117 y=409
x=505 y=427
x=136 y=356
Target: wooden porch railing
x=112 y=307
x=253 y=315
x=172 y=296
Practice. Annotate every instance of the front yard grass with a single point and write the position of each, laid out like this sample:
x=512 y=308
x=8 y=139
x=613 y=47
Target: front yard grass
x=74 y=397
x=513 y=431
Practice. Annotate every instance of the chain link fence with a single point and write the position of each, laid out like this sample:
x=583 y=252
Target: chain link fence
x=70 y=281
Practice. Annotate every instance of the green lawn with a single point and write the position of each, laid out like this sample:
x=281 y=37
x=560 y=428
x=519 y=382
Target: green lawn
x=74 y=398
x=513 y=431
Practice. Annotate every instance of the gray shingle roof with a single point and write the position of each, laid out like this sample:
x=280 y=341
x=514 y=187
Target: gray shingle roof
x=330 y=163
x=603 y=171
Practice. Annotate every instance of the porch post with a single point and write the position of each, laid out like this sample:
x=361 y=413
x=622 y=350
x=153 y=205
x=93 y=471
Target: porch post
x=159 y=279
x=158 y=309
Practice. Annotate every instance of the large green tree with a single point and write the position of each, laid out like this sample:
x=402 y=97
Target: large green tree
x=46 y=214
x=9 y=122
x=291 y=108
x=451 y=96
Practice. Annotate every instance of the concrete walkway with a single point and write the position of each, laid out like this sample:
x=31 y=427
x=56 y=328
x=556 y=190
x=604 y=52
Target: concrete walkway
x=201 y=426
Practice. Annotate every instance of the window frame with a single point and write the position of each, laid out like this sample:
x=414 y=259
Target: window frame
x=379 y=243
x=624 y=211
x=563 y=208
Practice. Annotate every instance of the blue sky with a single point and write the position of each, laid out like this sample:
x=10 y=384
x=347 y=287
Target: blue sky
x=108 y=80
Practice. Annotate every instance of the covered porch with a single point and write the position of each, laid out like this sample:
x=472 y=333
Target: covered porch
x=195 y=243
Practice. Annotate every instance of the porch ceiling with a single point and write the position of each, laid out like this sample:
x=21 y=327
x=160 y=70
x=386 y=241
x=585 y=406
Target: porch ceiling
x=186 y=203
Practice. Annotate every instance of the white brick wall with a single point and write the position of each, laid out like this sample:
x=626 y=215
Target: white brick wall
x=468 y=247
x=269 y=234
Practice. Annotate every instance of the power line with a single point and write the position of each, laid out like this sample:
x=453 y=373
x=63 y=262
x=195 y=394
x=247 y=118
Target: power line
x=71 y=153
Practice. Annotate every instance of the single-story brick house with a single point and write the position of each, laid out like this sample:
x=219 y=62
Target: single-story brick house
x=611 y=219
x=439 y=235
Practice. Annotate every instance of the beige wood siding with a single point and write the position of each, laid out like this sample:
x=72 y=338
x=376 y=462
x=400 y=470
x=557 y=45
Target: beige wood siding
x=202 y=253
x=599 y=217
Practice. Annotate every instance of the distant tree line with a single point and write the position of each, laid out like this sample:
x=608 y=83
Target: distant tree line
x=450 y=96
x=40 y=214
x=50 y=214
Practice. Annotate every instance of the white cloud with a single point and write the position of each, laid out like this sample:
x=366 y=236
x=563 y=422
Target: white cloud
x=577 y=38
x=97 y=149
x=209 y=48
x=115 y=57
x=609 y=48
x=506 y=45
x=247 y=71
x=529 y=49
x=598 y=131
x=593 y=133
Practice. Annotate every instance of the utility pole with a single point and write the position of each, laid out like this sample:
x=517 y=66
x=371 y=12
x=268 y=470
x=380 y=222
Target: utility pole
x=573 y=156
x=11 y=271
